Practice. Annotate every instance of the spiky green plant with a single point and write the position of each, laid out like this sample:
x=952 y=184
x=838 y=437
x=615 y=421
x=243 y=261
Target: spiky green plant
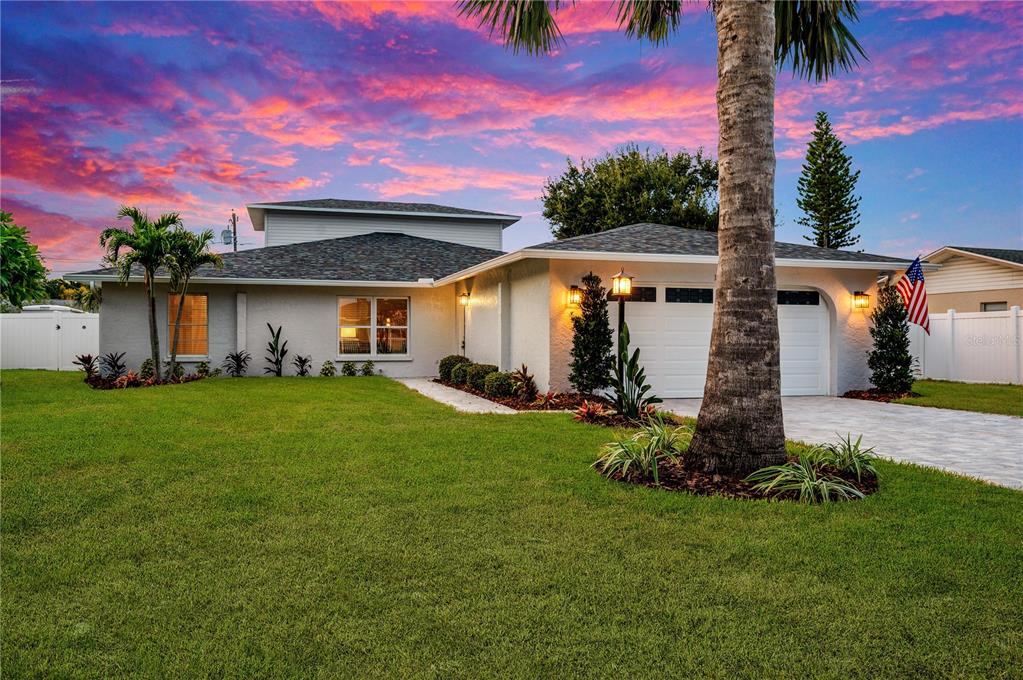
x=276 y=351
x=850 y=457
x=804 y=478
x=628 y=381
x=638 y=455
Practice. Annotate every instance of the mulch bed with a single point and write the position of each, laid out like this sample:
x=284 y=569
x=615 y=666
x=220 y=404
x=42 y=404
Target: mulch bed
x=688 y=478
x=875 y=395
x=563 y=402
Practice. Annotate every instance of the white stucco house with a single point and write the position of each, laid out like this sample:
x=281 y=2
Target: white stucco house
x=382 y=281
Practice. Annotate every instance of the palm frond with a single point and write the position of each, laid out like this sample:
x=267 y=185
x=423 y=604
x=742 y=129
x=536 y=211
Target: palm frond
x=653 y=20
x=523 y=24
x=814 y=36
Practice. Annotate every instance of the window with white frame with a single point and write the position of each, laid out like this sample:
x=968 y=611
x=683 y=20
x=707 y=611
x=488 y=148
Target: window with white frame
x=369 y=326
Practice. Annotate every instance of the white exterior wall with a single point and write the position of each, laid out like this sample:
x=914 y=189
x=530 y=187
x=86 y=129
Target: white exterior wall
x=961 y=273
x=307 y=313
x=295 y=227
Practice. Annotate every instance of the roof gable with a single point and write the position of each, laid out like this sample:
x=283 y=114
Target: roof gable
x=379 y=208
x=1006 y=256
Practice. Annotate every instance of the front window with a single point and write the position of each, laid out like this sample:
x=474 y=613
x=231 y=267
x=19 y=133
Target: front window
x=994 y=306
x=372 y=326
x=193 y=337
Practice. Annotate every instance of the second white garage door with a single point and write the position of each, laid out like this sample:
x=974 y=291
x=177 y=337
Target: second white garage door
x=671 y=326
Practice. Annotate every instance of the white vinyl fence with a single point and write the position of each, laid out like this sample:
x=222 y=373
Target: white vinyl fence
x=971 y=347
x=49 y=340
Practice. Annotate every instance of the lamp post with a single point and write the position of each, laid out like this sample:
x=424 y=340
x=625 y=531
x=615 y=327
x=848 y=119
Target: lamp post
x=463 y=300
x=621 y=288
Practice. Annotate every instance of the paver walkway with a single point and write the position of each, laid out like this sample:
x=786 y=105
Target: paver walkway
x=461 y=401
x=977 y=444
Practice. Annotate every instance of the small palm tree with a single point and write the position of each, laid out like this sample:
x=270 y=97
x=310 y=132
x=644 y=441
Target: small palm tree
x=740 y=425
x=186 y=253
x=147 y=244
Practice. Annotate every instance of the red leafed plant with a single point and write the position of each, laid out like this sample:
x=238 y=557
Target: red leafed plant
x=129 y=379
x=547 y=400
x=592 y=412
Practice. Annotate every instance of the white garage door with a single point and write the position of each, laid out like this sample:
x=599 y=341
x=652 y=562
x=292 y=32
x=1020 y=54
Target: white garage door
x=671 y=326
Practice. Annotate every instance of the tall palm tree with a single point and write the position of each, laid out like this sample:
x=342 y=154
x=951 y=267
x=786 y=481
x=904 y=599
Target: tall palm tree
x=147 y=244
x=187 y=252
x=740 y=423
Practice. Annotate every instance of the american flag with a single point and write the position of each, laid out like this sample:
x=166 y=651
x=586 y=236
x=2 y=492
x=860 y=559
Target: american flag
x=911 y=288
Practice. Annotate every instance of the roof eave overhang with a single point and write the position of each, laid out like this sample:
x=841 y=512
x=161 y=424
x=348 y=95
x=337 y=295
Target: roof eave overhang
x=209 y=280
x=540 y=253
x=257 y=212
x=947 y=251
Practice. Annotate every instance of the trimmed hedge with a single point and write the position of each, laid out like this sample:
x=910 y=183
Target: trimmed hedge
x=460 y=372
x=448 y=363
x=476 y=375
x=498 y=384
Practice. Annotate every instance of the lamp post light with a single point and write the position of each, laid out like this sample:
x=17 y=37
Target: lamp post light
x=621 y=288
x=463 y=300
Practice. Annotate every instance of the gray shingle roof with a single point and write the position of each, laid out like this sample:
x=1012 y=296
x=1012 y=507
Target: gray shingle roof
x=367 y=257
x=662 y=239
x=380 y=206
x=1006 y=254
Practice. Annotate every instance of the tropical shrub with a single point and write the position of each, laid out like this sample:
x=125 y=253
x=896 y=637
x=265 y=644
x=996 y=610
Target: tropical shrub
x=592 y=412
x=348 y=368
x=498 y=384
x=547 y=400
x=202 y=369
x=177 y=373
x=523 y=384
x=459 y=372
x=302 y=365
x=476 y=375
x=23 y=276
x=368 y=369
x=146 y=370
x=236 y=363
x=88 y=364
x=113 y=365
x=629 y=383
x=849 y=457
x=129 y=379
x=804 y=479
x=637 y=456
x=448 y=363
x=276 y=351
x=591 y=339
x=328 y=369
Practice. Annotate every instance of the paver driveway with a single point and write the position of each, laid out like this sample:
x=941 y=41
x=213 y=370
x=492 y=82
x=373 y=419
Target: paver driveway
x=976 y=444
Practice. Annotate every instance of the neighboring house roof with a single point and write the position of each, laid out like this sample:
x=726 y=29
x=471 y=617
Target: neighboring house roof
x=1003 y=255
x=375 y=258
x=385 y=208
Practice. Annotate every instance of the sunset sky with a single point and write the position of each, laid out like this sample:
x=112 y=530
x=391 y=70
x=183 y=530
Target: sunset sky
x=202 y=108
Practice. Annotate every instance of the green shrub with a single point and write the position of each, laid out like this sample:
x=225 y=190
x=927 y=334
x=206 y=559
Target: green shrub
x=476 y=376
x=328 y=369
x=368 y=369
x=638 y=455
x=459 y=372
x=236 y=363
x=849 y=457
x=348 y=368
x=448 y=363
x=498 y=384
x=146 y=369
x=202 y=369
x=805 y=479
x=629 y=383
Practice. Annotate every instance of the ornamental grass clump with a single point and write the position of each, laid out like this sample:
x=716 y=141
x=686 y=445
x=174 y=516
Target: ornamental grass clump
x=849 y=457
x=804 y=479
x=636 y=457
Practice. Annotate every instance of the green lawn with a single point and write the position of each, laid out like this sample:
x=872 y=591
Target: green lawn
x=983 y=397
x=350 y=527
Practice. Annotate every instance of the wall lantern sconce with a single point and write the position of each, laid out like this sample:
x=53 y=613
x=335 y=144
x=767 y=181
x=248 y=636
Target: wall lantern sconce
x=463 y=299
x=621 y=285
x=575 y=296
x=860 y=300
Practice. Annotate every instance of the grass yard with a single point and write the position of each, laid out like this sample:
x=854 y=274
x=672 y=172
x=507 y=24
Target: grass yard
x=982 y=397
x=349 y=527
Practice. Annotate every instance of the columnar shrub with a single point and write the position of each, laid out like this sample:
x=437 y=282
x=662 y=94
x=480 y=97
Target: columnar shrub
x=477 y=374
x=448 y=363
x=591 y=339
x=498 y=384
x=459 y=372
x=890 y=363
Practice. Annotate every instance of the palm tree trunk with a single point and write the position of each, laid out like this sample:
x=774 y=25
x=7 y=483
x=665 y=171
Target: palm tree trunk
x=154 y=339
x=177 y=330
x=740 y=424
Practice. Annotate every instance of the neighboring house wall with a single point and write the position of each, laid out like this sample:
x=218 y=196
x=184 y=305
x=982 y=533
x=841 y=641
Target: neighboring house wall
x=294 y=227
x=964 y=282
x=308 y=315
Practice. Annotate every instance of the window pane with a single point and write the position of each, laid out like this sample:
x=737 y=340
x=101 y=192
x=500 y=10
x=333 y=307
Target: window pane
x=193 y=338
x=392 y=341
x=353 y=341
x=353 y=311
x=392 y=312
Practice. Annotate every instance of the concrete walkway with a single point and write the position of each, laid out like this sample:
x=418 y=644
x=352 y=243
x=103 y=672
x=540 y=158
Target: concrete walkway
x=459 y=400
x=976 y=444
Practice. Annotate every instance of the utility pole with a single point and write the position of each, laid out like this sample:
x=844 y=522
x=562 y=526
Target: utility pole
x=234 y=230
